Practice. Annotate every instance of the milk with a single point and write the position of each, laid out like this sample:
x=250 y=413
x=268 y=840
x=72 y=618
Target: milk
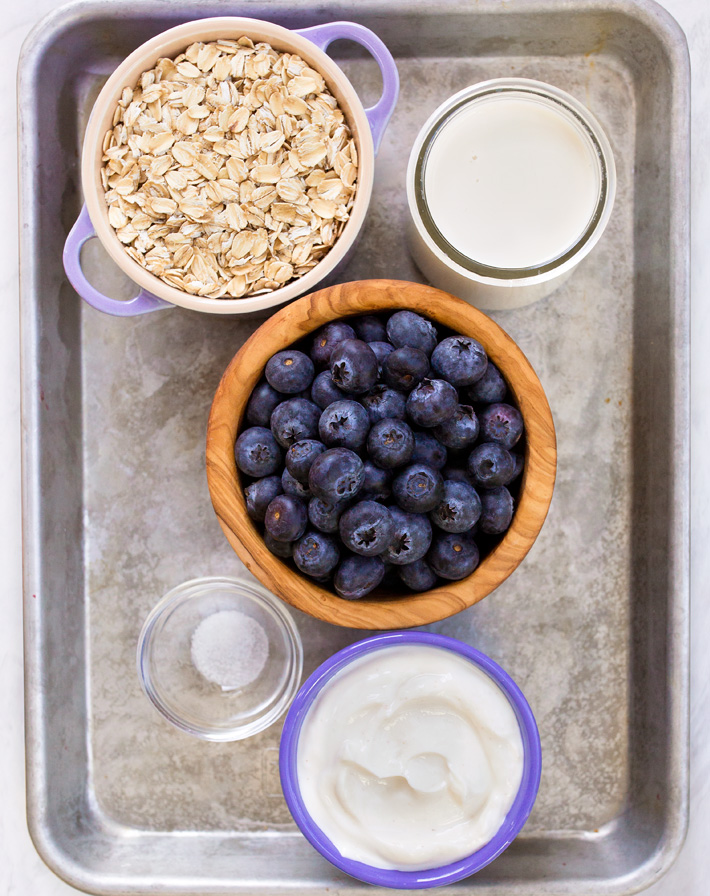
x=511 y=181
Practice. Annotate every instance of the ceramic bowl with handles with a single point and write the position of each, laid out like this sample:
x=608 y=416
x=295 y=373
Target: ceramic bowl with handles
x=367 y=127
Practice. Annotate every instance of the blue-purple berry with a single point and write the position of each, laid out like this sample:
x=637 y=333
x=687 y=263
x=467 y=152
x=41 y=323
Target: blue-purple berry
x=353 y=366
x=490 y=464
x=344 y=424
x=452 y=556
x=411 y=539
x=390 y=443
x=289 y=371
x=459 y=508
x=490 y=388
x=429 y=450
x=496 y=510
x=300 y=457
x=324 y=515
x=405 y=368
x=316 y=554
x=261 y=404
x=292 y=486
x=408 y=328
x=260 y=494
x=283 y=549
x=376 y=483
x=418 y=488
x=382 y=402
x=460 y=360
x=432 y=402
x=382 y=351
x=357 y=576
x=325 y=340
x=324 y=391
x=369 y=328
x=417 y=576
x=257 y=453
x=459 y=431
x=501 y=423
x=336 y=475
x=286 y=518
x=295 y=419
x=366 y=528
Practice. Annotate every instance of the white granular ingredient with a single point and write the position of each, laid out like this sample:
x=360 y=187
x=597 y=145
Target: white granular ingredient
x=230 y=649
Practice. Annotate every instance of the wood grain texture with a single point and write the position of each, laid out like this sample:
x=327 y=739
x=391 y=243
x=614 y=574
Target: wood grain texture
x=291 y=323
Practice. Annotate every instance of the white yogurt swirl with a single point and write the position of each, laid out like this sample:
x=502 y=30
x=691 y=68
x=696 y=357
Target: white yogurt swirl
x=410 y=758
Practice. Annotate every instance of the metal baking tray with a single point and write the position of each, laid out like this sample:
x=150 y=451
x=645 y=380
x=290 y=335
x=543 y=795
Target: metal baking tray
x=593 y=625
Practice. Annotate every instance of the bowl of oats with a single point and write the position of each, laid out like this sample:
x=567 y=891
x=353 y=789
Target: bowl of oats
x=227 y=166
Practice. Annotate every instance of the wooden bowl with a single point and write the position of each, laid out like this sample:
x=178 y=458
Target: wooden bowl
x=379 y=610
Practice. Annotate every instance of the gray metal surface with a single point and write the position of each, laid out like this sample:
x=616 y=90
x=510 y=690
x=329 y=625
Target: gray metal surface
x=593 y=625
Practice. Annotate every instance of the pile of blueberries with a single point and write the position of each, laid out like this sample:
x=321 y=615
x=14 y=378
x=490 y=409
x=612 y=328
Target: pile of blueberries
x=380 y=449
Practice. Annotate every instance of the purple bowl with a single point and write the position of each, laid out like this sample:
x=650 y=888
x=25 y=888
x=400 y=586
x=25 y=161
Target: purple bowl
x=431 y=877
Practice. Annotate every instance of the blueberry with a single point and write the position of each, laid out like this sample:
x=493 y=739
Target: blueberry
x=491 y=464
x=324 y=391
x=382 y=350
x=418 y=488
x=408 y=328
x=367 y=528
x=390 y=443
x=353 y=366
x=261 y=404
x=456 y=474
x=344 y=424
x=291 y=485
x=336 y=475
x=452 y=556
x=501 y=423
x=257 y=453
x=459 y=508
x=279 y=548
x=300 y=457
x=417 y=576
x=519 y=461
x=289 y=371
x=369 y=328
x=327 y=338
x=458 y=431
x=381 y=402
x=316 y=554
x=376 y=484
x=295 y=419
x=325 y=516
x=260 y=494
x=286 y=518
x=491 y=386
x=432 y=402
x=496 y=510
x=411 y=539
x=357 y=576
x=428 y=450
x=404 y=368
x=460 y=360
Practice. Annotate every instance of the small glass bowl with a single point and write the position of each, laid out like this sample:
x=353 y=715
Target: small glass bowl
x=194 y=703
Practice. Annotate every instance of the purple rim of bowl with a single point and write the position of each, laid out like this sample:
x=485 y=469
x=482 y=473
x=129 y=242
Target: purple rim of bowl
x=431 y=877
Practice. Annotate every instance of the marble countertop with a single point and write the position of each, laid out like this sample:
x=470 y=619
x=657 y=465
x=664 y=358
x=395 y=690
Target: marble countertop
x=21 y=869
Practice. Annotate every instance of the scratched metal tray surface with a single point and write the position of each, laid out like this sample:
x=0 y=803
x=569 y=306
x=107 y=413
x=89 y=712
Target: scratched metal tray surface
x=593 y=625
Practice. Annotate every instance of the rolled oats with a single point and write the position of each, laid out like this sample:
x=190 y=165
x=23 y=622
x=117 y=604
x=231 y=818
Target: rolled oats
x=230 y=170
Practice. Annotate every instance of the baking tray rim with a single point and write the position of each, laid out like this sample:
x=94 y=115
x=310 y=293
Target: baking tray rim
x=674 y=826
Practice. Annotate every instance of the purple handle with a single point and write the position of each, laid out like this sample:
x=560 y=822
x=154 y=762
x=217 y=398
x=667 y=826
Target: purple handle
x=81 y=232
x=378 y=115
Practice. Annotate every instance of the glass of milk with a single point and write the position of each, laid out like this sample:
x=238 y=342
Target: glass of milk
x=510 y=184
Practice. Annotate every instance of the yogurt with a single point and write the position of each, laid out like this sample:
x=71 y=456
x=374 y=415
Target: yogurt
x=409 y=758
x=511 y=181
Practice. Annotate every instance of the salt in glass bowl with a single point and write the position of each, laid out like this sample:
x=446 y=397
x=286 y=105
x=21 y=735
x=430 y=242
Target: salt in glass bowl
x=212 y=707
